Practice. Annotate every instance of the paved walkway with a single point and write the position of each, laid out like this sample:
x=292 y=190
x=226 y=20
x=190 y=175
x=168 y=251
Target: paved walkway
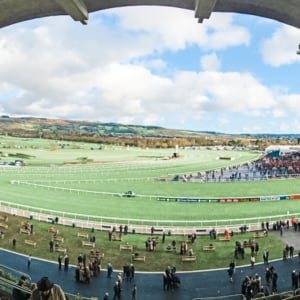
x=193 y=284
x=291 y=238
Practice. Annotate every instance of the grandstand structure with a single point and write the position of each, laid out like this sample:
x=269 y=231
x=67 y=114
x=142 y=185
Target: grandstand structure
x=285 y=11
x=282 y=149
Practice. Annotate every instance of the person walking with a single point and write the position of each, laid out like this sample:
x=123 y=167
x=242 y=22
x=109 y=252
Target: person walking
x=230 y=274
x=231 y=270
x=232 y=266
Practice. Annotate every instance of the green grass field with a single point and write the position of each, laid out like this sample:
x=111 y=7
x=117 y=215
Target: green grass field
x=155 y=261
x=93 y=188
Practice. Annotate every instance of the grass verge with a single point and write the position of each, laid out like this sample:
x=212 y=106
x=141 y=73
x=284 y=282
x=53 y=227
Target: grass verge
x=155 y=261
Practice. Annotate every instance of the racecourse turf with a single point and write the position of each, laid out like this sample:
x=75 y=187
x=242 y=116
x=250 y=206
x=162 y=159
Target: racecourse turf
x=88 y=179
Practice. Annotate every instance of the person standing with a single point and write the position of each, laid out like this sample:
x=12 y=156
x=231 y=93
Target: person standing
x=252 y=260
x=117 y=291
x=109 y=269
x=291 y=250
x=274 y=281
x=132 y=270
x=134 y=292
x=51 y=245
x=268 y=275
x=59 y=259
x=84 y=260
x=294 y=278
x=29 y=261
x=266 y=257
x=120 y=280
x=256 y=248
x=109 y=235
x=66 y=262
x=106 y=296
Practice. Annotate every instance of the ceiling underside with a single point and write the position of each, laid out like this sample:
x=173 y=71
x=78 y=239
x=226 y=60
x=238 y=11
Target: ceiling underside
x=14 y=11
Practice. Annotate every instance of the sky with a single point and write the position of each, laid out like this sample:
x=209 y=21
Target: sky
x=147 y=65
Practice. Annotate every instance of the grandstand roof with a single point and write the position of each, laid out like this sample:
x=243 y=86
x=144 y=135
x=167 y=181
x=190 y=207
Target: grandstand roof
x=285 y=11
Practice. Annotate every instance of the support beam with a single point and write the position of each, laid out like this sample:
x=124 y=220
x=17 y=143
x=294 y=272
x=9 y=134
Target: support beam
x=204 y=8
x=76 y=9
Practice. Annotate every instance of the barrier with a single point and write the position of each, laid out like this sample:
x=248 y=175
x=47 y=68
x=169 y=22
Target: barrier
x=7 y=286
x=176 y=227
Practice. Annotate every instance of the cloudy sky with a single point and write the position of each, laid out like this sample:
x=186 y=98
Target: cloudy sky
x=155 y=66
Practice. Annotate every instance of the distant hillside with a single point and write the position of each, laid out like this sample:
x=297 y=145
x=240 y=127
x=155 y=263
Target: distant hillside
x=28 y=126
x=132 y=135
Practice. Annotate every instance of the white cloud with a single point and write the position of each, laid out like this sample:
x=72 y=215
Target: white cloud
x=175 y=29
x=290 y=127
x=153 y=64
x=279 y=113
x=210 y=62
x=290 y=103
x=223 y=121
x=280 y=48
x=128 y=70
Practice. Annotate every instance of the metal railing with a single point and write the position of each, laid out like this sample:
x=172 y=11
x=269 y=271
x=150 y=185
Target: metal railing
x=7 y=287
x=143 y=226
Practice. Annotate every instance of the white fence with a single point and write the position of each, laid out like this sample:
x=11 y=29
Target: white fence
x=101 y=223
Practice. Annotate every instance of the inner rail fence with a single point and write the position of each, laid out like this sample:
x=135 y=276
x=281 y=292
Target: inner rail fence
x=142 y=226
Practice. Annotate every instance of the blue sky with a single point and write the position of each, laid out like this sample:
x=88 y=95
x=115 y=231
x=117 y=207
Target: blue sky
x=232 y=73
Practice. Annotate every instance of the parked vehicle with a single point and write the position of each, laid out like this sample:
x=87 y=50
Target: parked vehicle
x=129 y=194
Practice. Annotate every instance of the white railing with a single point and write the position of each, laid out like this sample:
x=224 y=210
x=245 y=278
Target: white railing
x=102 y=223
